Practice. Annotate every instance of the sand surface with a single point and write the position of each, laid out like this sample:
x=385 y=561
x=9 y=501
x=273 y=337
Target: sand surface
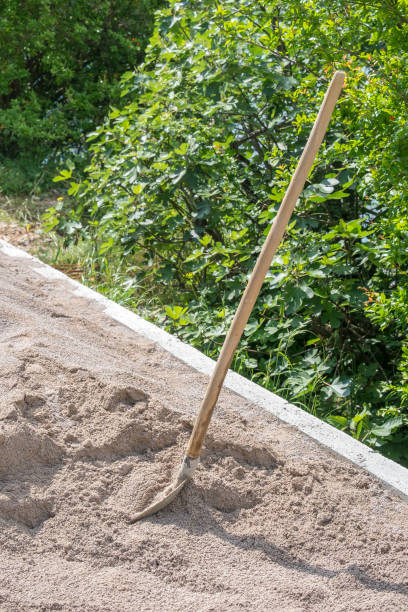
x=93 y=420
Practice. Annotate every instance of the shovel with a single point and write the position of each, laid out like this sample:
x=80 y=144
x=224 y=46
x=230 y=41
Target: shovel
x=192 y=454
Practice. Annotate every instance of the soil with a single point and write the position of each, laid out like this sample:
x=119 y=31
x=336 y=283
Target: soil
x=93 y=421
x=24 y=237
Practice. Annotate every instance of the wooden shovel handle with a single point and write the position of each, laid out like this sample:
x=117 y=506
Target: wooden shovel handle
x=262 y=265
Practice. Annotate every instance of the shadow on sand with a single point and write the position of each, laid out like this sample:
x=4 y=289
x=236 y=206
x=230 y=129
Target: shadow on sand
x=275 y=553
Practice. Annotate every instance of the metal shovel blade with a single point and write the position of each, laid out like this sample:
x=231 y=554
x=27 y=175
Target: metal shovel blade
x=185 y=473
x=167 y=497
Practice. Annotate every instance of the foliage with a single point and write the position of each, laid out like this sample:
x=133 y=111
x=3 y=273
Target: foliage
x=61 y=64
x=190 y=172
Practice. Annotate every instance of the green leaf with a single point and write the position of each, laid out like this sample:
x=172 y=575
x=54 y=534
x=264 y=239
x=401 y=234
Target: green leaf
x=105 y=246
x=206 y=240
x=341 y=386
x=388 y=427
x=338 y=421
x=63 y=176
x=138 y=188
x=73 y=190
x=179 y=176
x=308 y=291
x=182 y=149
x=175 y=312
x=252 y=364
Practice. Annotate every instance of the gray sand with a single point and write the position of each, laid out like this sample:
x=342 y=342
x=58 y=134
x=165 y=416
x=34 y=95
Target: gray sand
x=93 y=420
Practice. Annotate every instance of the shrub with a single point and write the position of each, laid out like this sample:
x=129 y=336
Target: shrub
x=190 y=173
x=61 y=64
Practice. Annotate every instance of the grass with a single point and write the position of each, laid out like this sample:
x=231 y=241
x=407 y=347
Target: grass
x=26 y=209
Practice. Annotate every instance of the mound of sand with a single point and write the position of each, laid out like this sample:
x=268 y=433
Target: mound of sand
x=93 y=422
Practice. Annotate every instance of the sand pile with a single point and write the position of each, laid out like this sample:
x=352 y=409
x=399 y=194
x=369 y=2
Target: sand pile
x=93 y=421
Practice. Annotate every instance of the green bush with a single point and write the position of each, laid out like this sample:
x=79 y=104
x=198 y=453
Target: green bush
x=60 y=68
x=190 y=173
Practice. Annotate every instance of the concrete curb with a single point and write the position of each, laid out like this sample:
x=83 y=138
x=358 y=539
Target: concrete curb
x=390 y=473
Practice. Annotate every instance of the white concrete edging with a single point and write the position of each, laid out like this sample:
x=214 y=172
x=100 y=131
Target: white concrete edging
x=392 y=474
